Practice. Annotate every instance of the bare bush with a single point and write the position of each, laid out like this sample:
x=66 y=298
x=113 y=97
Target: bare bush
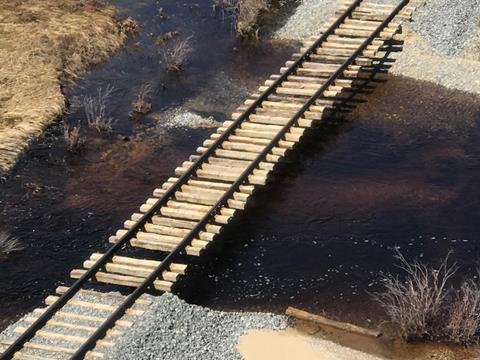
x=96 y=110
x=246 y=14
x=416 y=306
x=174 y=56
x=143 y=104
x=463 y=322
x=8 y=244
x=73 y=140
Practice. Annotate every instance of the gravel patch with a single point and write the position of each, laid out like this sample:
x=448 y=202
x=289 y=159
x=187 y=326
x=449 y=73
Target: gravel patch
x=180 y=117
x=307 y=19
x=310 y=16
x=447 y=25
x=174 y=329
x=418 y=61
x=220 y=92
x=442 y=41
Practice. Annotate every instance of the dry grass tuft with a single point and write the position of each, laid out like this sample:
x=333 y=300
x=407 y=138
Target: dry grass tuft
x=8 y=244
x=246 y=15
x=174 y=56
x=143 y=104
x=74 y=141
x=96 y=110
x=416 y=304
x=45 y=44
x=463 y=320
x=425 y=306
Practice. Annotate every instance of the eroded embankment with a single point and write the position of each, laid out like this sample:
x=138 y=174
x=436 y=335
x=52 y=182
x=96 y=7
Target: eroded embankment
x=44 y=45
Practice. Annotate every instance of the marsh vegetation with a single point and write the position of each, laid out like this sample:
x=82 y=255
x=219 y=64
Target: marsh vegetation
x=245 y=14
x=428 y=305
x=174 y=55
x=96 y=110
x=48 y=45
x=143 y=103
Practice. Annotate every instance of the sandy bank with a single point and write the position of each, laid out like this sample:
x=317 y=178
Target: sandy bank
x=44 y=45
x=290 y=344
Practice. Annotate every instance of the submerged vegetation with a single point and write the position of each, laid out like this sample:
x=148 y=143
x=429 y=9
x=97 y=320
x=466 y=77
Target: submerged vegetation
x=142 y=104
x=74 y=141
x=426 y=305
x=8 y=244
x=245 y=14
x=96 y=110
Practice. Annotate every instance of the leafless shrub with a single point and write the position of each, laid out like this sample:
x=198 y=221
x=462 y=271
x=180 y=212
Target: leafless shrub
x=8 y=244
x=416 y=306
x=174 y=56
x=245 y=14
x=73 y=139
x=463 y=320
x=95 y=109
x=142 y=104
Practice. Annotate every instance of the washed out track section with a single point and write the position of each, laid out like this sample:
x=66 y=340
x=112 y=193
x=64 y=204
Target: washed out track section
x=187 y=213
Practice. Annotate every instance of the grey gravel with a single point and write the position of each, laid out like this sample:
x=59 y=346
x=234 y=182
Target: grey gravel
x=173 y=329
x=442 y=42
x=180 y=117
x=307 y=19
x=447 y=25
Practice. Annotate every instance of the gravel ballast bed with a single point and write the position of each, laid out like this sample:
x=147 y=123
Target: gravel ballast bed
x=447 y=25
x=307 y=19
x=441 y=41
x=174 y=329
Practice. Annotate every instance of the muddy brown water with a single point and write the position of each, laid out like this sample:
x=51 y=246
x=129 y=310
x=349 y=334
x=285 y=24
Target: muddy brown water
x=401 y=171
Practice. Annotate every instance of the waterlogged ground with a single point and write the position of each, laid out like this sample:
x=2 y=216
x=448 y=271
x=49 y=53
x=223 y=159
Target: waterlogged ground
x=63 y=206
x=402 y=172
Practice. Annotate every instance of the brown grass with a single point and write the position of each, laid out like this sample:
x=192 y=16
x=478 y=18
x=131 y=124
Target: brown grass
x=74 y=141
x=44 y=45
x=415 y=304
x=142 y=104
x=246 y=15
x=463 y=322
x=96 y=110
x=174 y=56
x=425 y=305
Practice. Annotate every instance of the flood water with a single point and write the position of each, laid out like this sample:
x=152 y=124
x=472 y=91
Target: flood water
x=399 y=173
x=402 y=171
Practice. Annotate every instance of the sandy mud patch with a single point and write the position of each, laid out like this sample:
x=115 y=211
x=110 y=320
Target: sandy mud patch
x=290 y=344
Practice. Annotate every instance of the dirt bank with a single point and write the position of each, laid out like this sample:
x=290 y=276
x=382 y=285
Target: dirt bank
x=45 y=45
x=291 y=344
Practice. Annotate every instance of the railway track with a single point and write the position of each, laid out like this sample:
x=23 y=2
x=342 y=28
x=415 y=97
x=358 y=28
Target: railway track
x=186 y=214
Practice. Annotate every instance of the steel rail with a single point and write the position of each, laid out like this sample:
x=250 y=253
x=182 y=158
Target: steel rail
x=77 y=285
x=130 y=300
